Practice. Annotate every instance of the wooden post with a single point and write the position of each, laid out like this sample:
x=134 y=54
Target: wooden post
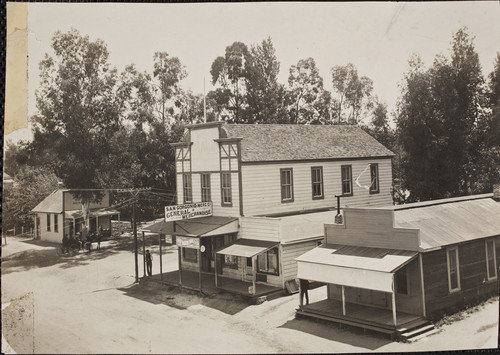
x=422 y=284
x=161 y=268
x=199 y=266
x=394 y=318
x=301 y=302
x=215 y=267
x=97 y=223
x=180 y=265
x=254 y=274
x=343 y=301
x=136 y=247
x=144 y=252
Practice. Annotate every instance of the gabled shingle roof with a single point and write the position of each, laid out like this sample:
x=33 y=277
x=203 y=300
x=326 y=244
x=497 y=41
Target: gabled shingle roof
x=276 y=142
x=51 y=204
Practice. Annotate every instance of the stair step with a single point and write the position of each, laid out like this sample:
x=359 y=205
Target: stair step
x=417 y=331
x=423 y=335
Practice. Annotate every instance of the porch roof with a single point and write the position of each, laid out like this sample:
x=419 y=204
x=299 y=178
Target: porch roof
x=197 y=227
x=247 y=247
x=370 y=268
x=93 y=213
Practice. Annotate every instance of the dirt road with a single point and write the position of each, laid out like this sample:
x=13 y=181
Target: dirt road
x=90 y=304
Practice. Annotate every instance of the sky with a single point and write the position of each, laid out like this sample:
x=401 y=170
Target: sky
x=378 y=38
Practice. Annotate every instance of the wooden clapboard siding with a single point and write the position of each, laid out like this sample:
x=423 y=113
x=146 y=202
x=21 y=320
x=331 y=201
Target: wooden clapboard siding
x=262 y=186
x=288 y=255
x=371 y=228
x=53 y=237
x=260 y=228
x=473 y=284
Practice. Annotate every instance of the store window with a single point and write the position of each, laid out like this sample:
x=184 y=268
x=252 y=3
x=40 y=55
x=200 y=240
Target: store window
x=268 y=262
x=491 y=261
x=453 y=269
x=190 y=255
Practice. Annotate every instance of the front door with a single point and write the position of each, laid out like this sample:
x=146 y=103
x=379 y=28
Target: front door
x=206 y=255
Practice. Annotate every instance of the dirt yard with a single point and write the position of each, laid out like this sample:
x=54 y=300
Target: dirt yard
x=89 y=304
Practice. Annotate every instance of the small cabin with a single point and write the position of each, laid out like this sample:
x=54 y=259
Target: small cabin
x=60 y=213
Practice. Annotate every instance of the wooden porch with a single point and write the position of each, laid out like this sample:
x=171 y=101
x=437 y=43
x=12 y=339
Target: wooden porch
x=191 y=280
x=361 y=316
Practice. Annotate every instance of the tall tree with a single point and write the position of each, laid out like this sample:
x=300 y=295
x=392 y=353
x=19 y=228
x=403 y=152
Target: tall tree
x=79 y=109
x=265 y=96
x=229 y=74
x=168 y=71
x=352 y=93
x=309 y=103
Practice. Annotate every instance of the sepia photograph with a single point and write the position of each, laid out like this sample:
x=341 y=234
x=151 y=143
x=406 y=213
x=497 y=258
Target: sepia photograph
x=251 y=177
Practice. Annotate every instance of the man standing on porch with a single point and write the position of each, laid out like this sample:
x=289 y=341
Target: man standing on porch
x=304 y=286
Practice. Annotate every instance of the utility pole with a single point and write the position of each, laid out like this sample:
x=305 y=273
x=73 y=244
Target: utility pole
x=135 y=193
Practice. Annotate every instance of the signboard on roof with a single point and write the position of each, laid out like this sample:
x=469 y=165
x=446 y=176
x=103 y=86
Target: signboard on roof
x=188 y=211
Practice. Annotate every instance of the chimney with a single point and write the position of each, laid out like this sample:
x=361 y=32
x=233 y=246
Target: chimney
x=60 y=185
x=496 y=192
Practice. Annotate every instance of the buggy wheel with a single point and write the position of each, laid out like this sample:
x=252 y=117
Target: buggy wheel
x=73 y=249
x=59 y=250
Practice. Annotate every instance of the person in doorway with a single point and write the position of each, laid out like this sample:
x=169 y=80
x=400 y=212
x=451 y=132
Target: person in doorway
x=149 y=262
x=304 y=287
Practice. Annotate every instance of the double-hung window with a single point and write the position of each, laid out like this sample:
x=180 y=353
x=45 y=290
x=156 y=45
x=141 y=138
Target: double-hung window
x=453 y=269
x=56 y=226
x=317 y=182
x=491 y=261
x=48 y=222
x=374 y=186
x=286 y=185
x=205 y=187
x=190 y=255
x=346 y=180
x=187 y=188
x=226 y=189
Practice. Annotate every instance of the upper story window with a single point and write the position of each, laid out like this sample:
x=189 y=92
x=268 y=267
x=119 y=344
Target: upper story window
x=286 y=185
x=317 y=182
x=491 y=260
x=346 y=180
x=205 y=188
x=374 y=187
x=226 y=189
x=48 y=222
x=56 y=226
x=453 y=269
x=187 y=188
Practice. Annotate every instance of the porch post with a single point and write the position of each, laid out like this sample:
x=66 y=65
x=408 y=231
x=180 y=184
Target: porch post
x=144 y=252
x=343 y=301
x=254 y=274
x=394 y=319
x=199 y=266
x=97 y=223
x=215 y=267
x=161 y=268
x=180 y=264
x=422 y=283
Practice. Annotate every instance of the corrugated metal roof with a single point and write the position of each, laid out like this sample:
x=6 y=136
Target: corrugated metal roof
x=191 y=227
x=275 y=142
x=376 y=259
x=51 y=204
x=451 y=223
x=247 y=247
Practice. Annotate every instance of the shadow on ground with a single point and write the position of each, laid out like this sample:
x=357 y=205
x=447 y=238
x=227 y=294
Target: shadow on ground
x=182 y=299
x=40 y=258
x=347 y=335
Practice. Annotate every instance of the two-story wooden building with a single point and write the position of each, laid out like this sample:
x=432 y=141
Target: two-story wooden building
x=391 y=268
x=61 y=213
x=272 y=188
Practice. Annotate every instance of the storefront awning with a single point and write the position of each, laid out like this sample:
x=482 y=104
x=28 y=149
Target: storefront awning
x=247 y=247
x=370 y=268
x=94 y=213
x=197 y=227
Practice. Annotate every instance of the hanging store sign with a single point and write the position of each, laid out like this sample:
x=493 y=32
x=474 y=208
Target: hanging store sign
x=188 y=211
